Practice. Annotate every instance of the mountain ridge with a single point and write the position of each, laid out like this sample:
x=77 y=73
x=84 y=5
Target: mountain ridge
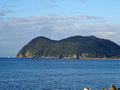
x=75 y=47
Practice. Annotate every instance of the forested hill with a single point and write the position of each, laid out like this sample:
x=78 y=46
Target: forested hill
x=75 y=47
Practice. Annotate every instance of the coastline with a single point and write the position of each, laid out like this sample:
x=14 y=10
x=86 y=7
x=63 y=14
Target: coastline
x=65 y=58
x=74 y=58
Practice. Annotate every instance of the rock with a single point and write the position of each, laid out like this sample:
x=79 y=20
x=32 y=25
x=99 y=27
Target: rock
x=112 y=87
x=86 y=88
x=118 y=89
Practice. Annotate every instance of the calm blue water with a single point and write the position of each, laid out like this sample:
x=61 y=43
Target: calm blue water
x=58 y=74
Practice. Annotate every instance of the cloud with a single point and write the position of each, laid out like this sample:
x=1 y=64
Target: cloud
x=6 y=43
x=104 y=33
x=51 y=24
x=49 y=6
x=45 y=25
x=4 y=12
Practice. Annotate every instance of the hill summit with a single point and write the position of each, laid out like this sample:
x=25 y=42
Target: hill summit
x=75 y=47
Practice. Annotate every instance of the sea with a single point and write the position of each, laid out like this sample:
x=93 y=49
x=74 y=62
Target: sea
x=58 y=74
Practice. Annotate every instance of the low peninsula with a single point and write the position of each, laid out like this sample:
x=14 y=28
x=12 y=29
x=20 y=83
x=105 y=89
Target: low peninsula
x=75 y=47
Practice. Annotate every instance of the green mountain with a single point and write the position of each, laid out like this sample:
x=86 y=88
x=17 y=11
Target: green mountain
x=75 y=47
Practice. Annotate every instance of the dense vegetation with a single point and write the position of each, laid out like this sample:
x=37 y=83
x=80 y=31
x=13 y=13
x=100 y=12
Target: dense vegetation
x=73 y=47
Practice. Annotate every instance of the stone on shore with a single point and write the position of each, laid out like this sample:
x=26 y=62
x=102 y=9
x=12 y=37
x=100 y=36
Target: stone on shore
x=112 y=87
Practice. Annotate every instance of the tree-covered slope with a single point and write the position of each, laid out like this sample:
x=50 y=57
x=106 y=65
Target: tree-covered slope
x=72 y=47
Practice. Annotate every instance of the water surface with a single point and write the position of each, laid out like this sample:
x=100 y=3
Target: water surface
x=58 y=74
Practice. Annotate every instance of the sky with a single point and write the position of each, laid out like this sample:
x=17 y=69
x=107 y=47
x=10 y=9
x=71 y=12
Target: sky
x=23 y=20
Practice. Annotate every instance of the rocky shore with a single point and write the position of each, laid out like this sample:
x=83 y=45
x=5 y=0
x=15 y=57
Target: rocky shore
x=112 y=87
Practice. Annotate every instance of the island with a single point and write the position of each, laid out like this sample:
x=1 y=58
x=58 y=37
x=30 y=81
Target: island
x=74 y=47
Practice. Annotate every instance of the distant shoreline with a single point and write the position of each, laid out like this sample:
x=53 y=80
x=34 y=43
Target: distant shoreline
x=70 y=58
x=104 y=58
x=80 y=58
